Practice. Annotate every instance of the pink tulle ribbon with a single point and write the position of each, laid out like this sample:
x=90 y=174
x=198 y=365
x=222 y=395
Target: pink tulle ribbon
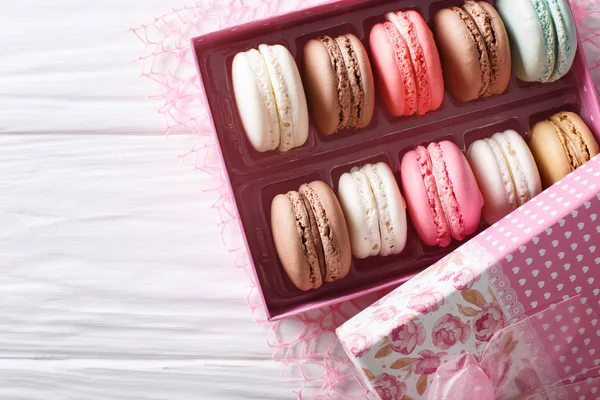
x=508 y=370
x=462 y=379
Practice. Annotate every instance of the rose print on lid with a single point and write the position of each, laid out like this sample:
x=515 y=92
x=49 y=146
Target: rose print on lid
x=488 y=321
x=428 y=363
x=426 y=301
x=449 y=330
x=385 y=314
x=461 y=280
x=388 y=387
x=409 y=333
x=358 y=344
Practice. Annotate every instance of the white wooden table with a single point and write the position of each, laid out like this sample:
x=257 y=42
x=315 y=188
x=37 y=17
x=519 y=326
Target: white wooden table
x=106 y=289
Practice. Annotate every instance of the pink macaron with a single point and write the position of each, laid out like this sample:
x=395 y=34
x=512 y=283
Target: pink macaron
x=407 y=64
x=442 y=195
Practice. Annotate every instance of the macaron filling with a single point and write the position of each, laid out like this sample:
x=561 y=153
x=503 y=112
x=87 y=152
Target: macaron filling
x=371 y=209
x=355 y=80
x=483 y=21
x=445 y=190
x=517 y=175
x=507 y=178
x=568 y=149
x=563 y=62
x=580 y=151
x=307 y=238
x=386 y=228
x=433 y=197
x=314 y=231
x=343 y=85
x=549 y=32
x=282 y=99
x=404 y=63
x=407 y=29
x=257 y=63
x=330 y=247
x=477 y=38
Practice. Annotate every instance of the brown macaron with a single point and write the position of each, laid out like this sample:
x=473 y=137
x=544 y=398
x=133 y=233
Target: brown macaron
x=474 y=50
x=561 y=144
x=339 y=83
x=494 y=34
x=310 y=235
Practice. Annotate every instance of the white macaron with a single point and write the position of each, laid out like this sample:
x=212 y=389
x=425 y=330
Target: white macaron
x=375 y=210
x=270 y=98
x=506 y=173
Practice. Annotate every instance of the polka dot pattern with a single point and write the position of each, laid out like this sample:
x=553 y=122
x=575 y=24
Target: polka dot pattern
x=555 y=258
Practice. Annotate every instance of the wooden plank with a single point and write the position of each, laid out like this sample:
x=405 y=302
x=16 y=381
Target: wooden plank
x=128 y=380
x=109 y=254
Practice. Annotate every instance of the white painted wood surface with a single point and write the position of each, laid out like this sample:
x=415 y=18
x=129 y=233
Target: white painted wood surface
x=106 y=289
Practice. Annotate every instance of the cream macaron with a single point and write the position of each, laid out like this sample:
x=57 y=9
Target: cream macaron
x=375 y=210
x=270 y=98
x=506 y=173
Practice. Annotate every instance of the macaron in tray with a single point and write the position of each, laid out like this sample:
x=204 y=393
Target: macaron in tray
x=442 y=195
x=506 y=173
x=375 y=210
x=270 y=98
x=561 y=144
x=339 y=83
x=543 y=37
x=407 y=64
x=310 y=234
x=474 y=49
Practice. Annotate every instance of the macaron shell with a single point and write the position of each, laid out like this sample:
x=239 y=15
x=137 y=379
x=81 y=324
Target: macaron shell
x=393 y=69
x=255 y=100
x=549 y=153
x=493 y=178
x=360 y=210
x=465 y=188
x=289 y=95
x=343 y=85
x=459 y=55
x=396 y=207
x=450 y=206
x=432 y=59
x=492 y=28
x=527 y=43
x=408 y=32
x=583 y=131
x=367 y=81
x=337 y=249
x=288 y=243
x=566 y=37
x=524 y=172
x=433 y=230
x=503 y=55
x=321 y=87
x=549 y=38
x=385 y=229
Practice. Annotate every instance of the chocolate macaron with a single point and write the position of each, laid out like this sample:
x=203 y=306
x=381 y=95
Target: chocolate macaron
x=474 y=50
x=311 y=236
x=561 y=144
x=339 y=83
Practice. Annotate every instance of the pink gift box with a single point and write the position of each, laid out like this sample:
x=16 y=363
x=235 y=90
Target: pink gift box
x=543 y=253
x=256 y=178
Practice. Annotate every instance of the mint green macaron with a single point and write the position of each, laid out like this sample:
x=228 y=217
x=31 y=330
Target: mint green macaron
x=543 y=37
x=549 y=32
x=566 y=37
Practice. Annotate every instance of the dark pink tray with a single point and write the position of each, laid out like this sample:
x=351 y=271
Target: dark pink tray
x=255 y=178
